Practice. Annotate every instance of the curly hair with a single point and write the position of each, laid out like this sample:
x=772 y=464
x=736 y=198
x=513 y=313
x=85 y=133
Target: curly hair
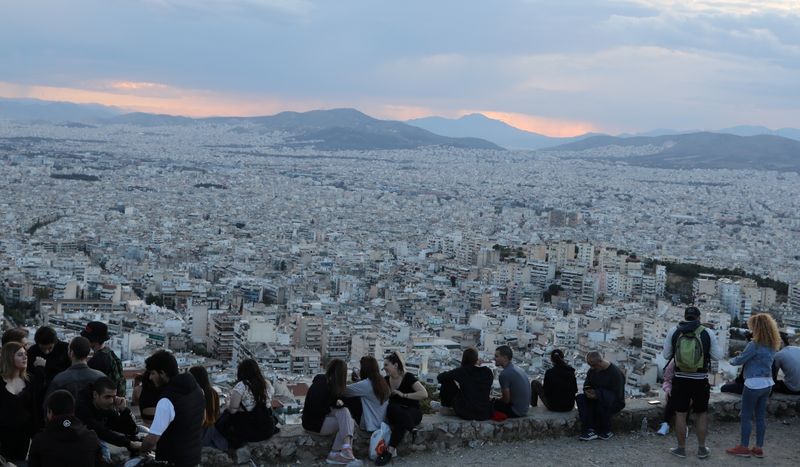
x=765 y=330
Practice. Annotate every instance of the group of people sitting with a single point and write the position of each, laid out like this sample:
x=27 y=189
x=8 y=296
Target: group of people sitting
x=65 y=405
x=334 y=407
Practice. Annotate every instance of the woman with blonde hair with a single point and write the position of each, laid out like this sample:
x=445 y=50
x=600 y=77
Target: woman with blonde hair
x=757 y=360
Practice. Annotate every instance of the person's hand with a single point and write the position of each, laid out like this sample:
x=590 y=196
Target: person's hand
x=397 y=393
x=120 y=403
x=339 y=403
x=136 y=445
x=39 y=362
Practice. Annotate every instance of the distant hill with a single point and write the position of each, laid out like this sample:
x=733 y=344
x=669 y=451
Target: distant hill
x=695 y=150
x=51 y=111
x=336 y=129
x=481 y=126
x=753 y=130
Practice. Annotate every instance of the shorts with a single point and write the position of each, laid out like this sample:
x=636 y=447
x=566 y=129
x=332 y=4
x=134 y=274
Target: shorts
x=690 y=393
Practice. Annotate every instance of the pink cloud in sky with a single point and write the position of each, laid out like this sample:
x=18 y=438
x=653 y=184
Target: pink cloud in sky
x=542 y=125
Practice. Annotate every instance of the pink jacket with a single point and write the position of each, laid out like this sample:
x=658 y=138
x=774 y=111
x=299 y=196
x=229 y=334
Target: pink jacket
x=669 y=373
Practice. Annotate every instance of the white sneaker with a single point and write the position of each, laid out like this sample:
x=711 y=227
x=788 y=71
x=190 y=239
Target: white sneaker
x=663 y=429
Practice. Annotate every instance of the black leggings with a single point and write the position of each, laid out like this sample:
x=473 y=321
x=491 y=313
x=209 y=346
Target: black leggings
x=402 y=419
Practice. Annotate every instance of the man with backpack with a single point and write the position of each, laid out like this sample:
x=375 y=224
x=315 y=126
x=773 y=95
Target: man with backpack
x=693 y=346
x=104 y=359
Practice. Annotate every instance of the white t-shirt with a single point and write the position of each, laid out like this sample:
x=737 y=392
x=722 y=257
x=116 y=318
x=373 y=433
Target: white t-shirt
x=165 y=414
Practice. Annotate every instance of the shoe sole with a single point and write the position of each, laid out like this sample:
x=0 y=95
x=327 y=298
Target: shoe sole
x=682 y=456
x=588 y=439
x=703 y=456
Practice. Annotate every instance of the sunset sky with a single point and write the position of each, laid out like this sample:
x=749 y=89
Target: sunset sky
x=557 y=67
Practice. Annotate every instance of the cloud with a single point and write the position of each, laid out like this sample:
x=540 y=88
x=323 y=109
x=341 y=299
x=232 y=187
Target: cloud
x=292 y=7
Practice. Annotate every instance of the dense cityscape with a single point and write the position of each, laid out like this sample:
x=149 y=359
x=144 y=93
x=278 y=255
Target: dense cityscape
x=222 y=242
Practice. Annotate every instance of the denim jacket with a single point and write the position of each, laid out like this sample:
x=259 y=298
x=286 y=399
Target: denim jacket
x=757 y=360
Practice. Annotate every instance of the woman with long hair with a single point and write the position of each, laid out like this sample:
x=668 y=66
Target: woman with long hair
x=249 y=413
x=404 y=412
x=20 y=400
x=757 y=359
x=211 y=437
x=324 y=411
x=373 y=393
x=560 y=386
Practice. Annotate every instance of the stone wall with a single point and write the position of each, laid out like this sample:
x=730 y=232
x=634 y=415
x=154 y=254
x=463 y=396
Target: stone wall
x=438 y=432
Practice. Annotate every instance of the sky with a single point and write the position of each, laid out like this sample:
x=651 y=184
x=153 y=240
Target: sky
x=557 y=67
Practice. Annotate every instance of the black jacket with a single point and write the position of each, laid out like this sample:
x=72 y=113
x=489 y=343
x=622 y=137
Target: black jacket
x=609 y=385
x=319 y=401
x=475 y=383
x=57 y=360
x=74 y=379
x=117 y=428
x=182 y=441
x=560 y=387
x=65 y=442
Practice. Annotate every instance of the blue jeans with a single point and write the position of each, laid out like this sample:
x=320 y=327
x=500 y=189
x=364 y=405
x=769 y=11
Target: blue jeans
x=754 y=402
x=594 y=415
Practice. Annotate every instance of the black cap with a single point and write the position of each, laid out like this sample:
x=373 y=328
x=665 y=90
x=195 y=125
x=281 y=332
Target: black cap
x=96 y=331
x=691 y=313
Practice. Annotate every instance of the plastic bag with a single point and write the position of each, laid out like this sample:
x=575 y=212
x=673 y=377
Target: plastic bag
x=379 y=441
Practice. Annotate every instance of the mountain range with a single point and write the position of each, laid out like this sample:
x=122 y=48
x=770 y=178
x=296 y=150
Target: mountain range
x=702 y=150
x=481 y=126
x=331 y=130
x=753 y=147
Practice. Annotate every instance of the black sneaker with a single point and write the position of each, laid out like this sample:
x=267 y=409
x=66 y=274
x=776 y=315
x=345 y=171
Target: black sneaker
x=384 y=458
x=588 y=436
x=605 y=436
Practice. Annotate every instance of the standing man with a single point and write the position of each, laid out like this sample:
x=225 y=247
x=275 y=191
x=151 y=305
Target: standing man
x=693 y=346
x=514 y=385
x=104 y=359
x=177 y=430
x=603 y=396
x=48 y=355
x=78 y=376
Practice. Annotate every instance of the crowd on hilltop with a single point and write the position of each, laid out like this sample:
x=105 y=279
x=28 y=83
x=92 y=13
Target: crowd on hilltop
x=65 y=404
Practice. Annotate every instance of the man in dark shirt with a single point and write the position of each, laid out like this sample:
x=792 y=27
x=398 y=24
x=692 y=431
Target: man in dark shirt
x=603 y=396
x=78 y=376
x=466 y=389
x=65 y=441
x=104 y=359
x=100 y=409
x=48 y=355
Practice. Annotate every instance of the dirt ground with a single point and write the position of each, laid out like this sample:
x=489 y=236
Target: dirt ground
x=782 y=447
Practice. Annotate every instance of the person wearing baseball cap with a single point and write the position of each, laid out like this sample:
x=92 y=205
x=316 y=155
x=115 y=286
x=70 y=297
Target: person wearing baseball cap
x=692 y=346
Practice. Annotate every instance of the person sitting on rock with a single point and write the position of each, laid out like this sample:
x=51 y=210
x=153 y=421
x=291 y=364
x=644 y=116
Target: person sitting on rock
x=404 y=412
x=603 y=396
x=324 y=412
x=467 y=388
x=559 y=388
x=787 y=360
x=514 y=386
x=370 y=394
